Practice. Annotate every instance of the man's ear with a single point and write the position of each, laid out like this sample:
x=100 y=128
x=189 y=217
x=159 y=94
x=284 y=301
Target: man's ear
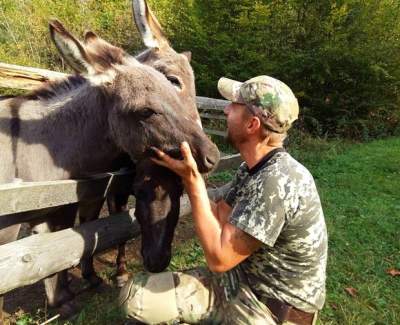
x=253 y=125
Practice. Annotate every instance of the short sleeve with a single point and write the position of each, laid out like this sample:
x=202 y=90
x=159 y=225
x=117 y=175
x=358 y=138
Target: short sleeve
x=260 y=210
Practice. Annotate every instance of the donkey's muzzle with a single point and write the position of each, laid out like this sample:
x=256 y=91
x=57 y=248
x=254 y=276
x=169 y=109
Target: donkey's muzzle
x=209 y=161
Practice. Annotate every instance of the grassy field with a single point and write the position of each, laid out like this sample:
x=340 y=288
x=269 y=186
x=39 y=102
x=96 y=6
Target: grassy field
x=359 y=186
x=360 y=190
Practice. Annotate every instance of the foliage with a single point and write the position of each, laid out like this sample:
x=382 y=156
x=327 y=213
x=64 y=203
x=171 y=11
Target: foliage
x=339 y=56
x=24 y=39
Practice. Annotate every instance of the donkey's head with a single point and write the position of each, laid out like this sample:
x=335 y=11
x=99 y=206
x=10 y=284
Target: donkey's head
x=162 y=57
x=144 y=107
x=151 y=102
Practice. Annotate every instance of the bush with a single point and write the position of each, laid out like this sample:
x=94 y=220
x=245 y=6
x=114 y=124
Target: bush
x=339 y=57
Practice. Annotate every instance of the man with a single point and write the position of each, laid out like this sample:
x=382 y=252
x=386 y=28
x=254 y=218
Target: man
x=265 y=241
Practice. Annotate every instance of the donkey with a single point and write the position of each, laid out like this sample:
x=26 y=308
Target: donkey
x=157 y=190
x=119 y=105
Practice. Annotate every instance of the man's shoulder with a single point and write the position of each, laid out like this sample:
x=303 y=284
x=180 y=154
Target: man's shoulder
x=283 y=166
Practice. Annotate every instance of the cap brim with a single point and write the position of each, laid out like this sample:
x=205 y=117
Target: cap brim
x=230 y=89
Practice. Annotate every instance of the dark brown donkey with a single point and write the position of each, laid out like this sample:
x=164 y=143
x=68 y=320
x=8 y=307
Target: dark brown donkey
x=81 y=125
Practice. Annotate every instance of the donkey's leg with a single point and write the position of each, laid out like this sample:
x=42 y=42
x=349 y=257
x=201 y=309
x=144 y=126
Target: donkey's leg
x=88 y=212
x=56 y=286
x=7 y=235
x=118 y=203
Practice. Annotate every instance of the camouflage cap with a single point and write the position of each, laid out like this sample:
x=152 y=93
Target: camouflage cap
x=266 y=97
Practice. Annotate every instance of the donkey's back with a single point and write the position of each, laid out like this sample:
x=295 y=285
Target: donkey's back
x=24 y=154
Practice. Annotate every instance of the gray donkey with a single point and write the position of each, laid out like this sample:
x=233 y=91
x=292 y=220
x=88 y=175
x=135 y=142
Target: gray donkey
x=83 y=124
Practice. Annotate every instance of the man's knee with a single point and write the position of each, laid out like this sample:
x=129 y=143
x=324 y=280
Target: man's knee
x=150 y=298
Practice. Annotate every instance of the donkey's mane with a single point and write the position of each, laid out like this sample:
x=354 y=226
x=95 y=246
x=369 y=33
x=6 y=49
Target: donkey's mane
x=55 y=88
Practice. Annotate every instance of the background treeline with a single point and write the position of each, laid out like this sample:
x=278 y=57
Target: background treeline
x=341 y=57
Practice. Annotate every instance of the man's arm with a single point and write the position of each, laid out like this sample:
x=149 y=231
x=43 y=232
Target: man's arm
x=224 y=245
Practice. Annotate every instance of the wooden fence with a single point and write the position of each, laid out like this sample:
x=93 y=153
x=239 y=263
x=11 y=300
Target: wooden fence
x=33 y=258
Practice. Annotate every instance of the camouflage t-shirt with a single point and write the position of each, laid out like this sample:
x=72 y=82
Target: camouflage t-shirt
x=277 y=203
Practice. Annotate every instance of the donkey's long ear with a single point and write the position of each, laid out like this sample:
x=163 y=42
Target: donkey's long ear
x=70 y=48
x=188 y=55
x=148 y=25
x=101 y=53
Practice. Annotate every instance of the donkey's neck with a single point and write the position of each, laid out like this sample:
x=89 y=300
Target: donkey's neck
x=74 y=130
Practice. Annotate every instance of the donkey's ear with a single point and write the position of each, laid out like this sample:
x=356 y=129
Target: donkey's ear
x=188 y=55
x=148 y=25
x=101 y=53
x=70 y=48
x=143 y=57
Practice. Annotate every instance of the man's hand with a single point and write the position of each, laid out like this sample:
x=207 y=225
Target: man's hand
x=186 y=168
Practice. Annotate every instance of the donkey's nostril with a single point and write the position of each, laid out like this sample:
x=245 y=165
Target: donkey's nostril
x=209 y=162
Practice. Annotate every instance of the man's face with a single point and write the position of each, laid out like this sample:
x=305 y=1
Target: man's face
x=236 y=116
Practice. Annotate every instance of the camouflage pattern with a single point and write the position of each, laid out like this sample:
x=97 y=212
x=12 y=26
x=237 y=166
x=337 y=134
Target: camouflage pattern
x=200 y=297
x=280 y=206
x=266 y=97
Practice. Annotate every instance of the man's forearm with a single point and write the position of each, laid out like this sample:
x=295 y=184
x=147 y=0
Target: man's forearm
x=207 y=225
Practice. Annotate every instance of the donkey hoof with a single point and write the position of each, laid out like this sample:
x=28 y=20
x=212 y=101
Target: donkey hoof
x=122 y=279
x=68 y=309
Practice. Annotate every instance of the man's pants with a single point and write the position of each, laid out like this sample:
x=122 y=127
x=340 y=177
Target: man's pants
x=196 y=297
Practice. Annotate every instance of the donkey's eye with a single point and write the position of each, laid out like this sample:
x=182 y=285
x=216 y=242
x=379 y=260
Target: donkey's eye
x=146 y=113
x=175 y=82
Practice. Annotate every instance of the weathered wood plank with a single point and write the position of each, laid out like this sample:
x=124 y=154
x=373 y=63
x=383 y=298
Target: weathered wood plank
x=215 y=132
x=19 y=77
x=212 y=104
x=33 y=258
x=16 y=198
x=25 y=197
x=229 y=162
x=213 y=116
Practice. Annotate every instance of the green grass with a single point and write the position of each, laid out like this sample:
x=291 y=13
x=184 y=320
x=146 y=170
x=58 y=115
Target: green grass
x=359 y=185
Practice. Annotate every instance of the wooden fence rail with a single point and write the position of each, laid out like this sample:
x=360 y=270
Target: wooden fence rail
x=36 y=257
x=27 y=78
x=28 y=196
x=33 y=258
